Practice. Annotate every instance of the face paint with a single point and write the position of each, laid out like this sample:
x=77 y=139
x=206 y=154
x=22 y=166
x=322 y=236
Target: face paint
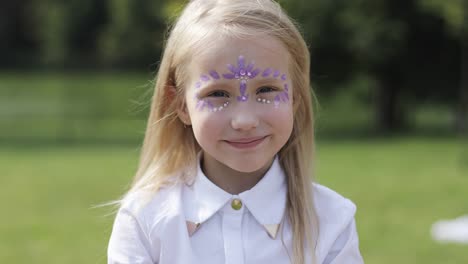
x=242 y=73
x=267 y=72
x=214 y=75
x=243 y=86
x=204 y=78
x=283 y=96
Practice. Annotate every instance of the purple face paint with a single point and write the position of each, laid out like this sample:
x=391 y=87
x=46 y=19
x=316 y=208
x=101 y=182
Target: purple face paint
x=199 y=103
x=282 y=97
x=214 y=75
x=210 y=105
x=229 y=76
x=276 y=74
x=202 y=103
x=277 y=101
x=254 y=73
x=243 y=73
x=241 y=62
x=204 y=78
x=243 y=87
x=266 y=72
x=250 y=67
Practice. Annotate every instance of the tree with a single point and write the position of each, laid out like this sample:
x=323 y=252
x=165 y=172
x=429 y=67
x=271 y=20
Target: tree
x=134 y=33
x=411 y=49
x=462 y=118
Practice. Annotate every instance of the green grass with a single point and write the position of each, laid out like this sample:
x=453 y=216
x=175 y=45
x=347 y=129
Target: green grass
x=47 y=195
x=401 y=186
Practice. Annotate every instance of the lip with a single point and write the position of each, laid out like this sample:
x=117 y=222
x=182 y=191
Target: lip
x=245 y=143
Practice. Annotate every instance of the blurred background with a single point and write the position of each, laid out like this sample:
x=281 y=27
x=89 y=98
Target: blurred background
x=76 y=78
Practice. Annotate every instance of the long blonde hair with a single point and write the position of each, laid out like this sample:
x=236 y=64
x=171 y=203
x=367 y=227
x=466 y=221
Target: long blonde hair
x=169 y=151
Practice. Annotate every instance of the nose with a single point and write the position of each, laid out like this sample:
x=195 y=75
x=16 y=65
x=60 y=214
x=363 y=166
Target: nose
x=244 y=118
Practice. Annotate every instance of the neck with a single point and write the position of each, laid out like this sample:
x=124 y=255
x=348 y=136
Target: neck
x=230 y=180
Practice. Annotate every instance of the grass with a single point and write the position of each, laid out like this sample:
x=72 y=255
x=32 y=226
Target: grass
x=47 y=195
x=401 y=186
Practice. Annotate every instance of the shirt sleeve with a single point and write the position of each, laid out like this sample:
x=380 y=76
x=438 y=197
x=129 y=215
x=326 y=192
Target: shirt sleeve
x=346 y=248
x=129 y=243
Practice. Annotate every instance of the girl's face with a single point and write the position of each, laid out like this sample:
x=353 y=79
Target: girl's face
x=239 y=101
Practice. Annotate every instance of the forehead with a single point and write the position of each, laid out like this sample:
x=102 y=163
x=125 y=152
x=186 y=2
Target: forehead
x=264 y=52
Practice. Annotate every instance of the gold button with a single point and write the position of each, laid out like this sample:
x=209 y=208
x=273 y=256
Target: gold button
x=236 y=204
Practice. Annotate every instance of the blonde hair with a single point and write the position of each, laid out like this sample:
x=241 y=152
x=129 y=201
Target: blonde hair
x=169 y=151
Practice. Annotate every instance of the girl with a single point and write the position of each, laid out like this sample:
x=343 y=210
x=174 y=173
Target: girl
x=224 y=175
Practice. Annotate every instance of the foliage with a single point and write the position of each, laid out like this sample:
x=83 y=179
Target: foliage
x=409 y=50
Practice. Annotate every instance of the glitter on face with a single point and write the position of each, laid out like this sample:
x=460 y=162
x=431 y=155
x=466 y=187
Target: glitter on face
x=243 y=73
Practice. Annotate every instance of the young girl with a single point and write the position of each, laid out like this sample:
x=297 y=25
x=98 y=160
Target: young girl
x=225 y=169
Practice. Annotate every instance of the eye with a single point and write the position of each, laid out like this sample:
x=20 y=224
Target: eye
x=265 y=89
x=218 y=94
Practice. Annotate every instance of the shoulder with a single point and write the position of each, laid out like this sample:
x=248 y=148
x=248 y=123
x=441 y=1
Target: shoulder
x=337 y=236
x=150 y=208
x=331 y=206
x=139 y=224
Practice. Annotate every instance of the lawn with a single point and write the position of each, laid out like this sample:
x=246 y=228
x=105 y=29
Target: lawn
x=400 y=185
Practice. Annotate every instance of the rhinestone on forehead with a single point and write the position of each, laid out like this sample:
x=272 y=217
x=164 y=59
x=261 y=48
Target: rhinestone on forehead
x=242 y=72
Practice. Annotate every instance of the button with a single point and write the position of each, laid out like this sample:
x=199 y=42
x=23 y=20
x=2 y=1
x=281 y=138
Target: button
x=236 y=204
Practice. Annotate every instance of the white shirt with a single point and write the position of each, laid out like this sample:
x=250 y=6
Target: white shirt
x=186 y=224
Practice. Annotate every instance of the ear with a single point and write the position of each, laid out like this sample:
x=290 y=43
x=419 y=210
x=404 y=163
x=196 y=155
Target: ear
x=182 y=111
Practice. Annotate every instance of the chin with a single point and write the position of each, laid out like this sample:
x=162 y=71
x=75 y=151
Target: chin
x=247 y=166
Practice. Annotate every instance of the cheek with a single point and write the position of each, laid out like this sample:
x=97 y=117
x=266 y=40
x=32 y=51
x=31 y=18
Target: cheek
x=207 y=126
x=280 y=120
x=283 y=121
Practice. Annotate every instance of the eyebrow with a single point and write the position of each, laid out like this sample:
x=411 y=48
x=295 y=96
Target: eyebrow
x=227 y=83
x=219 y=83
x=269 y=80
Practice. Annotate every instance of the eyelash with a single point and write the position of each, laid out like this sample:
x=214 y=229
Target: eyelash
x=219 y=94
x=263 y=88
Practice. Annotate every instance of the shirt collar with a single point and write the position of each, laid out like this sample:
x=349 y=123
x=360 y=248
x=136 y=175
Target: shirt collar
x=266 y=201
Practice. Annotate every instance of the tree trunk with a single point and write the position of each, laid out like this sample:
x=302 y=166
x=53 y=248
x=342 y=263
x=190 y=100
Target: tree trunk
x=388 y=110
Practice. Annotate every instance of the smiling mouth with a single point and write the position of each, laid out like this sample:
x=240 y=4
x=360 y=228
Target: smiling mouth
x=245 y=143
